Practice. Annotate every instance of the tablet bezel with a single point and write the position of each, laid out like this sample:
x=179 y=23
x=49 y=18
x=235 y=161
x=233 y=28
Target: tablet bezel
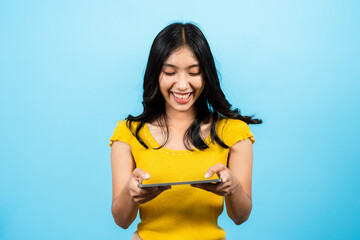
x=218 y=180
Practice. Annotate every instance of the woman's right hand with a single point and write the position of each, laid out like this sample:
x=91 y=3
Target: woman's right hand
x=142 y=195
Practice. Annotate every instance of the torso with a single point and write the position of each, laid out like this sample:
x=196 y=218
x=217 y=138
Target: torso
x=166 y=165
x=175 y=163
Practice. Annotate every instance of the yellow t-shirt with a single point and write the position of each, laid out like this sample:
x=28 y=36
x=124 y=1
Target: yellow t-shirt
x=183 y=212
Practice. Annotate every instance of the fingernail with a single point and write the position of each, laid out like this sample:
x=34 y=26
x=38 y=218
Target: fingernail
x=207 y=175
x=147 y=176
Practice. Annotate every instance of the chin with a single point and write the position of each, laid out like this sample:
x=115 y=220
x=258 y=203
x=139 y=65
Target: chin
x=183 y=108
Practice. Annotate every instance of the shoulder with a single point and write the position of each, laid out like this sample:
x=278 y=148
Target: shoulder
x=229 y=125
x=230 y=122
x=233 y=130
x=122 y=126
x=123 y=131
x=126 y=125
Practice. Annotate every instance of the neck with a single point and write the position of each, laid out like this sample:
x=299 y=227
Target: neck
x=180 y=119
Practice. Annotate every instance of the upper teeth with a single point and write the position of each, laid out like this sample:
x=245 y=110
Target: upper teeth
x=182 y=96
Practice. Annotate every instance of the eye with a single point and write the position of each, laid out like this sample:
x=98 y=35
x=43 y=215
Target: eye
x=195 y=74
x=169 y=73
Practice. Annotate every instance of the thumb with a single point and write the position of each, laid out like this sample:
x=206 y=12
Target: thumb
x=139 y=173
x=208 y=174
x=214 y=169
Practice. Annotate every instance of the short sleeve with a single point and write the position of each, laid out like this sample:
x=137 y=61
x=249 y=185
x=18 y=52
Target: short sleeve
x=235 y=130
x=121 y=133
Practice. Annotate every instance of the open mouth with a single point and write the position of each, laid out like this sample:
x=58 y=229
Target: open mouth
x=182 y=97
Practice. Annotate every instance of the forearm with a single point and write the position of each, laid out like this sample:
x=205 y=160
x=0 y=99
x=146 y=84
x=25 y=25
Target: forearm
x=124 y=209
x=238 y=205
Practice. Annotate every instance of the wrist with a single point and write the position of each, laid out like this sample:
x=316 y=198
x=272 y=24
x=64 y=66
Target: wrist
x=236 y=188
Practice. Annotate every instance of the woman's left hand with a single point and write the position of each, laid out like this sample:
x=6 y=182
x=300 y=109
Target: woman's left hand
x=229 y=183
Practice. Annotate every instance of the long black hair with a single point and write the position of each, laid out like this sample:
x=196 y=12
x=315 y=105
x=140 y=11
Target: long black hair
x=211 y=102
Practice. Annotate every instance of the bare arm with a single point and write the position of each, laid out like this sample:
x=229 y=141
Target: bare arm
x=126 y=194
x=236 y=181
x=124 y=209
x=238 y=202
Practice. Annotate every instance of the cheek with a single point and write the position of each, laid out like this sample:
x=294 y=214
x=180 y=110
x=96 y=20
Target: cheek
x=199 y=84
x=164 y=86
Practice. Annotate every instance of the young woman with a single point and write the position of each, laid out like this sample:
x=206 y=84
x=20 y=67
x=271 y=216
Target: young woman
x=187 y=131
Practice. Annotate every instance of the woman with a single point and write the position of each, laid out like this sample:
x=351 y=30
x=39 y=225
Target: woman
x=187 y=131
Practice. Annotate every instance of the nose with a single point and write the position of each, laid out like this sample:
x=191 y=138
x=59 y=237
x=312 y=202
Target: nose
x=182 y=82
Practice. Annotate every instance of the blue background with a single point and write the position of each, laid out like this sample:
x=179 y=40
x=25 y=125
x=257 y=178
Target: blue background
x=69 y=70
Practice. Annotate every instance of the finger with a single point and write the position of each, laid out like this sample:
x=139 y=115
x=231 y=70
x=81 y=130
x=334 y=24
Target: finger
x=215 y=169
x=153 y=190
x=218 y=189
x=148 y=190
x=140 y=174
x=165 y=188
x=138 y=191
x=146 y=198
x=160 y=190
x=224 y=175
x=141 y=195
x=207 y=186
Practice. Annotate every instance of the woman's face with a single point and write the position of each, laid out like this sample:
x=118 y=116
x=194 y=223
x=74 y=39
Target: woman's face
x=181 y=80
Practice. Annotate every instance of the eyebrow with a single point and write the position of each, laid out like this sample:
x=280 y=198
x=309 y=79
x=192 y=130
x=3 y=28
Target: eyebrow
x=173 y=66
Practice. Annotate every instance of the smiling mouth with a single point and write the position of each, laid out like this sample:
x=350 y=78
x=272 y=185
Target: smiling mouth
x=181 y=96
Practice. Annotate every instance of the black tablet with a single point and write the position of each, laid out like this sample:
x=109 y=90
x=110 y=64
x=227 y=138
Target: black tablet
x=179 y=183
